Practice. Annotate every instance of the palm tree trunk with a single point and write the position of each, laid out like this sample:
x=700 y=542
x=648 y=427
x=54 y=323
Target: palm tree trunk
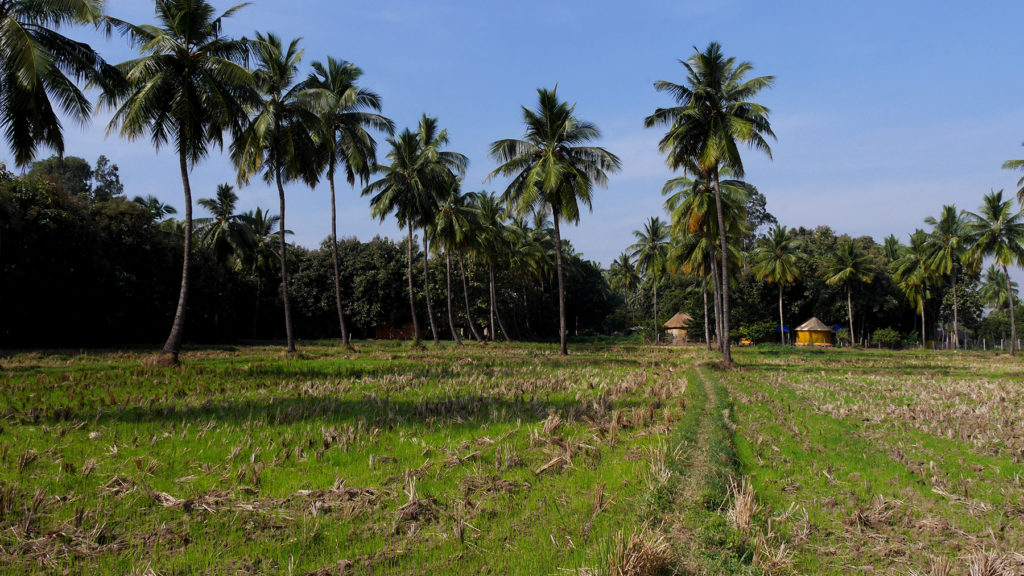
x=656 y=335
x=256 y=313
x=956 y=334
x=284 y=268
x=716 y=293
x=707 y=329
x=490 y=300
x=412 y=298
x=924 y=341
x=782 y=324
x=494 y=304
x=334 y=252
x=563 y=348
x=426 y=288
x=726 y=346
x=448 y=279
x=1013 y=322
x=169 y=354
x=849 y=309
x=465 y=295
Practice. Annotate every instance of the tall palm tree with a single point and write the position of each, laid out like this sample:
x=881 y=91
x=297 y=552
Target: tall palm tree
x=713 y=115
x=650 y=252
x=1017 y=165
x=223 y=232
x=892 y=248
x=278 y=139
x=949 y=252
x=450 y=229
x=997 y=231
x=996 y=289
x=848 y=264
x=776 y=259
x=553 y=171
x=187 y=88
x=408 y=185
x=490 y=243
x=347 y=113
x=624 y=279
x=692 y=207
x=259 y=257
x=38 y=63
x=914 y=271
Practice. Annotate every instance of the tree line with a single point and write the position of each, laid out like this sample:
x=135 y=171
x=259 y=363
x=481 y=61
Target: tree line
x=83 y=265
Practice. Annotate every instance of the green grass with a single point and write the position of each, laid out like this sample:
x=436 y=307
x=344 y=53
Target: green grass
x=872 y=461
x=508 y=459
x=388 y=460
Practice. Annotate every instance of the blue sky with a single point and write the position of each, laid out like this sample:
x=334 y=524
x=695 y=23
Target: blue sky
x=884 y=111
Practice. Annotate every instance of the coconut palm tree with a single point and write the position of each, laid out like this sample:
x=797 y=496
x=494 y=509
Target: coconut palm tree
x=258 y=257
x=949 y=252
x=347 y=113
x=624 y=279
x=409 y=185
x=156 y=209
x=714 y=114
x=997 y=231
x=776 y=259
x=38 y=63
x=451 y=227
x=691 y=205
x=553 y=171
x=650 y=252
x=848 y=264
x=1017 y=165
x=186 y=89
x=993 y=290
x=490 y=242
x=223 y=232
x=914 y=272
x=278 y=139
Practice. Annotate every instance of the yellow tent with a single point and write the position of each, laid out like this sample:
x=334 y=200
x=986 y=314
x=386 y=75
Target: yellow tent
x=814 y=332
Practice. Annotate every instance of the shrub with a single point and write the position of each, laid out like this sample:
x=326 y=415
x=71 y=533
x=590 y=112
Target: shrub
x=887 y=338
x=760 y=332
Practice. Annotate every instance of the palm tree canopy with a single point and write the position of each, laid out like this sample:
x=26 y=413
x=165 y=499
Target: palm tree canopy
x=419 y=172
x=157 y=210
x=993 y=289
x=848 y=264
x=997 y=231
x=650 y=251
x=691 y=205
x=622 y=274
x=347 y=112
x=914 y=270
x=948 y=242
x=278 y=139
x=552 y=167
x=1019 y=166
x=776 y=257
x=37 y=63
x=714 y=112
x=190 y=84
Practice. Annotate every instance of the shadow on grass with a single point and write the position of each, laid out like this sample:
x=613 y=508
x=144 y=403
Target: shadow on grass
x=378 y=411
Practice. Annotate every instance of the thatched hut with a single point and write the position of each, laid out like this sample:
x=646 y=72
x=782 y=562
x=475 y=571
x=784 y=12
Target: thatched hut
x=814 y=332
x=677 y=326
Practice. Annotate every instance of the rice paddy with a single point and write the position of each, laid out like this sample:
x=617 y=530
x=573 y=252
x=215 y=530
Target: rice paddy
x=620 y=459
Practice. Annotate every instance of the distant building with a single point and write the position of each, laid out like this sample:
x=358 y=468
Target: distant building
x=814 y=332
x=677 y=327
